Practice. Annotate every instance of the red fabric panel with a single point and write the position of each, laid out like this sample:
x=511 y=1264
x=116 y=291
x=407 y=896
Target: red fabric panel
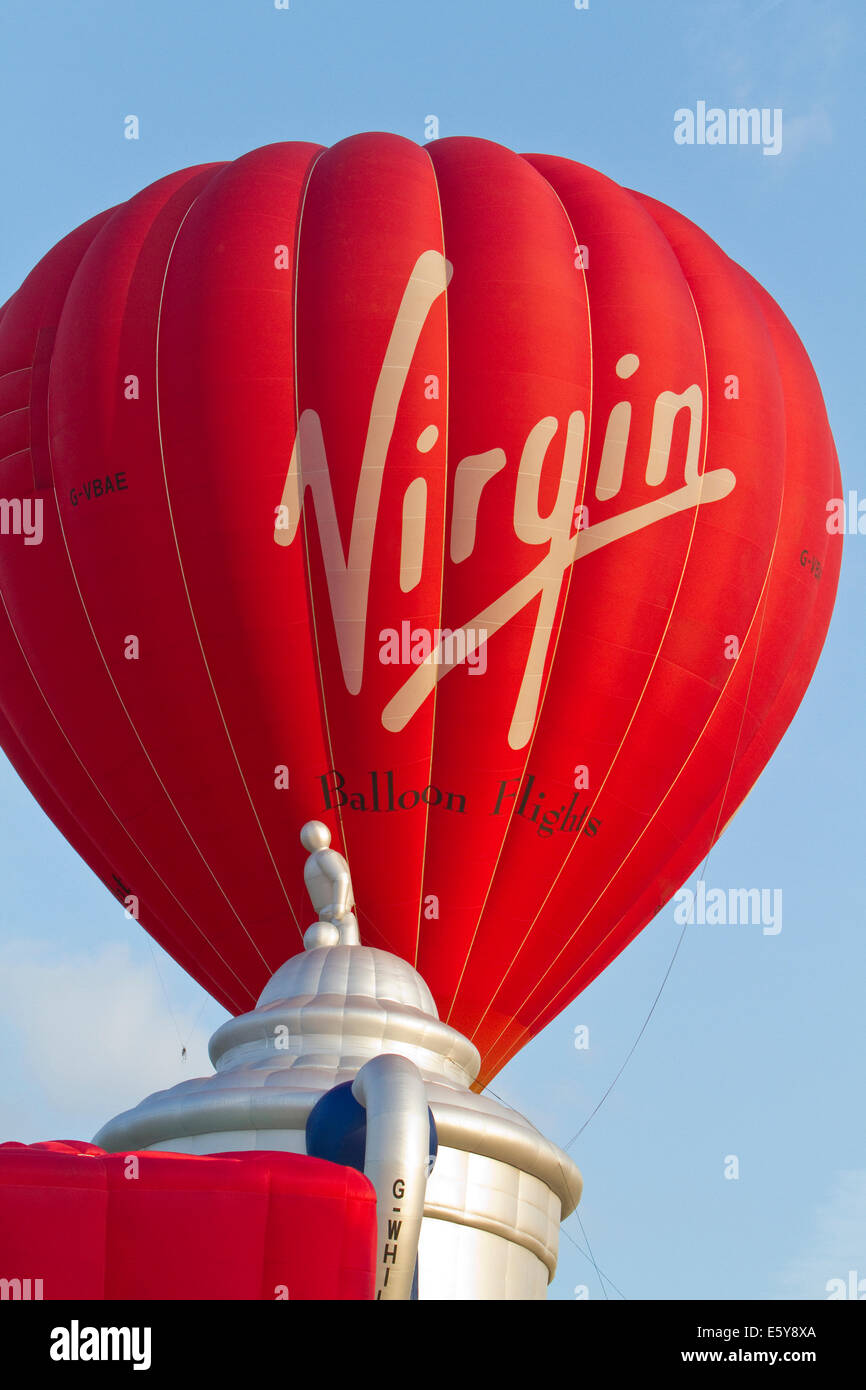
x=53 y=1214
x=159 y=1225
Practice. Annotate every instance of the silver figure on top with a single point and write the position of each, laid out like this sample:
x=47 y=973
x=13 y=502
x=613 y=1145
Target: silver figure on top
x=329 y=885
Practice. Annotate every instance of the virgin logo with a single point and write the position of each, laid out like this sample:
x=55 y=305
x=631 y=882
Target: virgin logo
x=348 y=576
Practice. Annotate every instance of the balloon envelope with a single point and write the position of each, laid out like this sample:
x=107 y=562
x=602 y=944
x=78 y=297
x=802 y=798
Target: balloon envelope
x=95 y=1225
x=464 y=500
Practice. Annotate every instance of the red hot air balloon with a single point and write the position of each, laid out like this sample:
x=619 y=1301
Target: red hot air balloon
x=367 y=495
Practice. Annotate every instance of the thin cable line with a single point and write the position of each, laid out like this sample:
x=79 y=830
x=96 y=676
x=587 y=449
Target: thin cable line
x=591 y=1256
x=164 y=990
x=565 y=1231
x=700 y=876
x=631 y=1050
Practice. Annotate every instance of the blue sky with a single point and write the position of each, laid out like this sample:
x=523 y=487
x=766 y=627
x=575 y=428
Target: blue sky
x=755 y=1046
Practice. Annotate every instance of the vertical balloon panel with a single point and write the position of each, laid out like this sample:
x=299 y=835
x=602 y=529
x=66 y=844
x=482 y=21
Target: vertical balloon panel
x=519 y=404
x=228 y=413
x=372 y=390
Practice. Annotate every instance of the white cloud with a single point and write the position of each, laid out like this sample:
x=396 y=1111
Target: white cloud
x=838 y=1242
x=803 y=132
x=90 y=1034
x=778 y=55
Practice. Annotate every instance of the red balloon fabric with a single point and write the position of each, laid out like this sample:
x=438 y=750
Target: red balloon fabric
x=79 y=1223
x=464 y=500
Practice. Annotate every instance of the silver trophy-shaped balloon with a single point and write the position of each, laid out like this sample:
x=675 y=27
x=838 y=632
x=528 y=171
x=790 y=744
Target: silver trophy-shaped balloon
x=483 y=1221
